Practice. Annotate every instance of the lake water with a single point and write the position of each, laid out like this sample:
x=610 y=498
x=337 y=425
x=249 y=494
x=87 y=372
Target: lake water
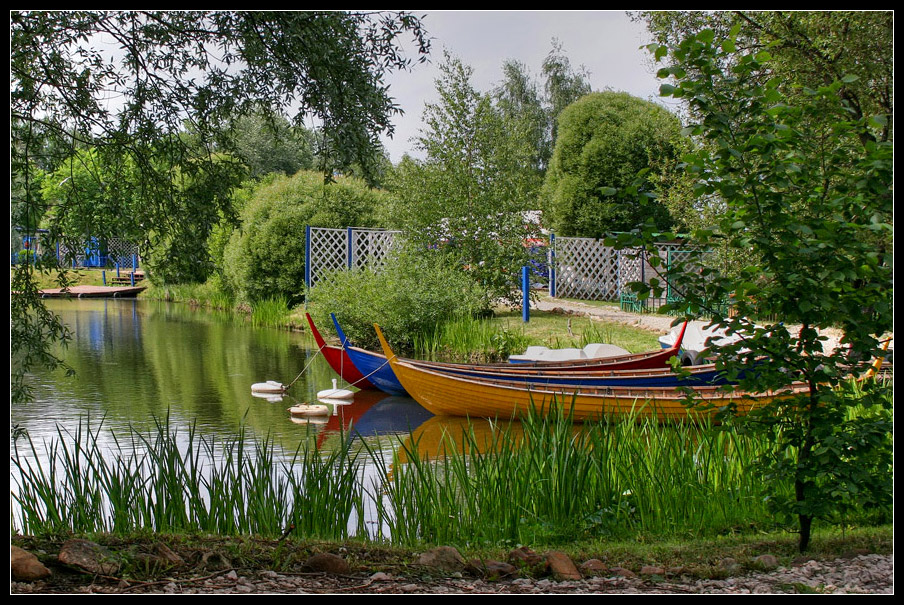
x=136 y=361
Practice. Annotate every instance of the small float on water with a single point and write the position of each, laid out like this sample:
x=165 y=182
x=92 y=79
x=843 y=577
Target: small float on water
x=335 y=393
x=270 y=387
x=309 y=409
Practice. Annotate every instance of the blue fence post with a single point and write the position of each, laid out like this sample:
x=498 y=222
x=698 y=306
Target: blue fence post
x=307 y=256
x=350 y=250
x=525 y=291
x=103 y=276
x=134 y=264
x=117 y=268
x=552 y=265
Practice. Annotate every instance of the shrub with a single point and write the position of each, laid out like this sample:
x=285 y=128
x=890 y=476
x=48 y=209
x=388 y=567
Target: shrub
x=416 y=290
x=264 y=257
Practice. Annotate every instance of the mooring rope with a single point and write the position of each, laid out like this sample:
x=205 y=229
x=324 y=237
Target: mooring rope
x=341 y=361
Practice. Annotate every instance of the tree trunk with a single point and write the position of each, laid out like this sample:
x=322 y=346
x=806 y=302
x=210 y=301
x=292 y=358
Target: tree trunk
x=804 y=521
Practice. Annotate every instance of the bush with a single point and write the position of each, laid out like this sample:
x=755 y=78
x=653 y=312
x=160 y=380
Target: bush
x=416 y=290
x=265 y=256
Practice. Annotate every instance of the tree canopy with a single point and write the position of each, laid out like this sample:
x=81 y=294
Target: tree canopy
x=805 y=183
x=471 y=191
x=605 y=141
x=131 y=84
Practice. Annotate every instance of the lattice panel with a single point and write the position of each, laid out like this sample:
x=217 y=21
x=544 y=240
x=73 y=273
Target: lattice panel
x=328 y=251
x=586 y=269
x=121 y=251
x=370 y=247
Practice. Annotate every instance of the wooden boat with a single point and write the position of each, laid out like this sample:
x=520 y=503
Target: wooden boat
x=372 y=365
x=375 y=367
x=445 y=394
x=656 y=377
x=339 y=360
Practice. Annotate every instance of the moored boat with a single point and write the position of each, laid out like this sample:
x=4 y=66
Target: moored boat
x=339 y=360
x=654 y=377
x=372 y=365
x=446 y=394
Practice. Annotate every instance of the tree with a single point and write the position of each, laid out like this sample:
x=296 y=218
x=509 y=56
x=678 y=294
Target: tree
x=125 y=83
x=805 y=183
x=268 y=143
x=470 y=193
x=811 y=48
x=562 y=85
x=605 y=140
x=519 y=100
x=264 y=256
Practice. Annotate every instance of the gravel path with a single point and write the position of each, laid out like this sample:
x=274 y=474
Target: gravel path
x=863 y=574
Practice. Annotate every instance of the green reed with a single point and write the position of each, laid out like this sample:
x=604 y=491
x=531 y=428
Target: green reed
x=470 y=339
x=548 y=480
x=166 y=481
x=540 y=480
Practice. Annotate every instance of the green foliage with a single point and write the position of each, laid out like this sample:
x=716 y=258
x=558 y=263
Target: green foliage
x=605 y=140
x=268 y=143
x=265 y=255
x=806 y=192
x=470 y=193
x=159 y=70
x=417 y=290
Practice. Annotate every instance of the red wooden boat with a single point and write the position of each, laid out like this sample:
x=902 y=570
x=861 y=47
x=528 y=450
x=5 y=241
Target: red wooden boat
x=339 y=360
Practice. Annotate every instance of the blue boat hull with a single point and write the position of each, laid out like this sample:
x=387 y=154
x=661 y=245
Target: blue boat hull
x=371 y=365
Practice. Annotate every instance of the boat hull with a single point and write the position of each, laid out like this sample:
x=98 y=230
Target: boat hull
x=339 y=360
x=372 y=365
x=654 y=378
x=448 y=395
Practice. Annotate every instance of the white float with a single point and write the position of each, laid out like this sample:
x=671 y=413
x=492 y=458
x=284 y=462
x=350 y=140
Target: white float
x=271 y=386
x=335 y=393
x=306 y=409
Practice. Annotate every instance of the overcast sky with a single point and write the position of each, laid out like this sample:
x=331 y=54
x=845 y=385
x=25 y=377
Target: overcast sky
x=606 y=43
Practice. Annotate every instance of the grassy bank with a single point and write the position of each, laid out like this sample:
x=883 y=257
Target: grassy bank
x=482 y=484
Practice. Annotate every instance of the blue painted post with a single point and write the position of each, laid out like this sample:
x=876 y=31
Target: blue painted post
x=132 y=278
x=103 y=276
x=307 y=256
x=350 y=250
x=134 y=264
x=552 y=265
x=117 y=268
x=525 y=290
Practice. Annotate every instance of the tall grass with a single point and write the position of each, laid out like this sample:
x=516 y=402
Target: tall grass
x=171 y=482
x=469 y=339
x=547 y=480
x=541 y=480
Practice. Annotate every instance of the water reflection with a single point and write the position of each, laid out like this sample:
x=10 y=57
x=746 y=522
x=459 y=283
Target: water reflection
x=137 y=362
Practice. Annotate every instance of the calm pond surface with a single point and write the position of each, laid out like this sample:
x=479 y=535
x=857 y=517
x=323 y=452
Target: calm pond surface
x=140 y=362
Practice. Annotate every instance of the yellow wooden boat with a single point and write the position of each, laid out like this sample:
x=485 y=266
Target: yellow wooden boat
x=446 y=394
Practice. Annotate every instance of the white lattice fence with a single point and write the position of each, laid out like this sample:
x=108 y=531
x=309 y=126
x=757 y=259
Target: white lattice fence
x=586 y=269
x=117 y=250
x=335 y=249
x=370 y=247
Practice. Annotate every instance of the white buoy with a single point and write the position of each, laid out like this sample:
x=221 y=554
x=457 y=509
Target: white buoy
x=271 y=386
x=335 y=393
x=309 y=410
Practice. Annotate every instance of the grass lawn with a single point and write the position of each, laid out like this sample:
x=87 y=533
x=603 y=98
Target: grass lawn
x=560 y=331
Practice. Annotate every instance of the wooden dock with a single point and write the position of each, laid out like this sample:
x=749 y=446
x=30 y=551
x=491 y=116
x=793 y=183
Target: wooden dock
x=93 y=292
